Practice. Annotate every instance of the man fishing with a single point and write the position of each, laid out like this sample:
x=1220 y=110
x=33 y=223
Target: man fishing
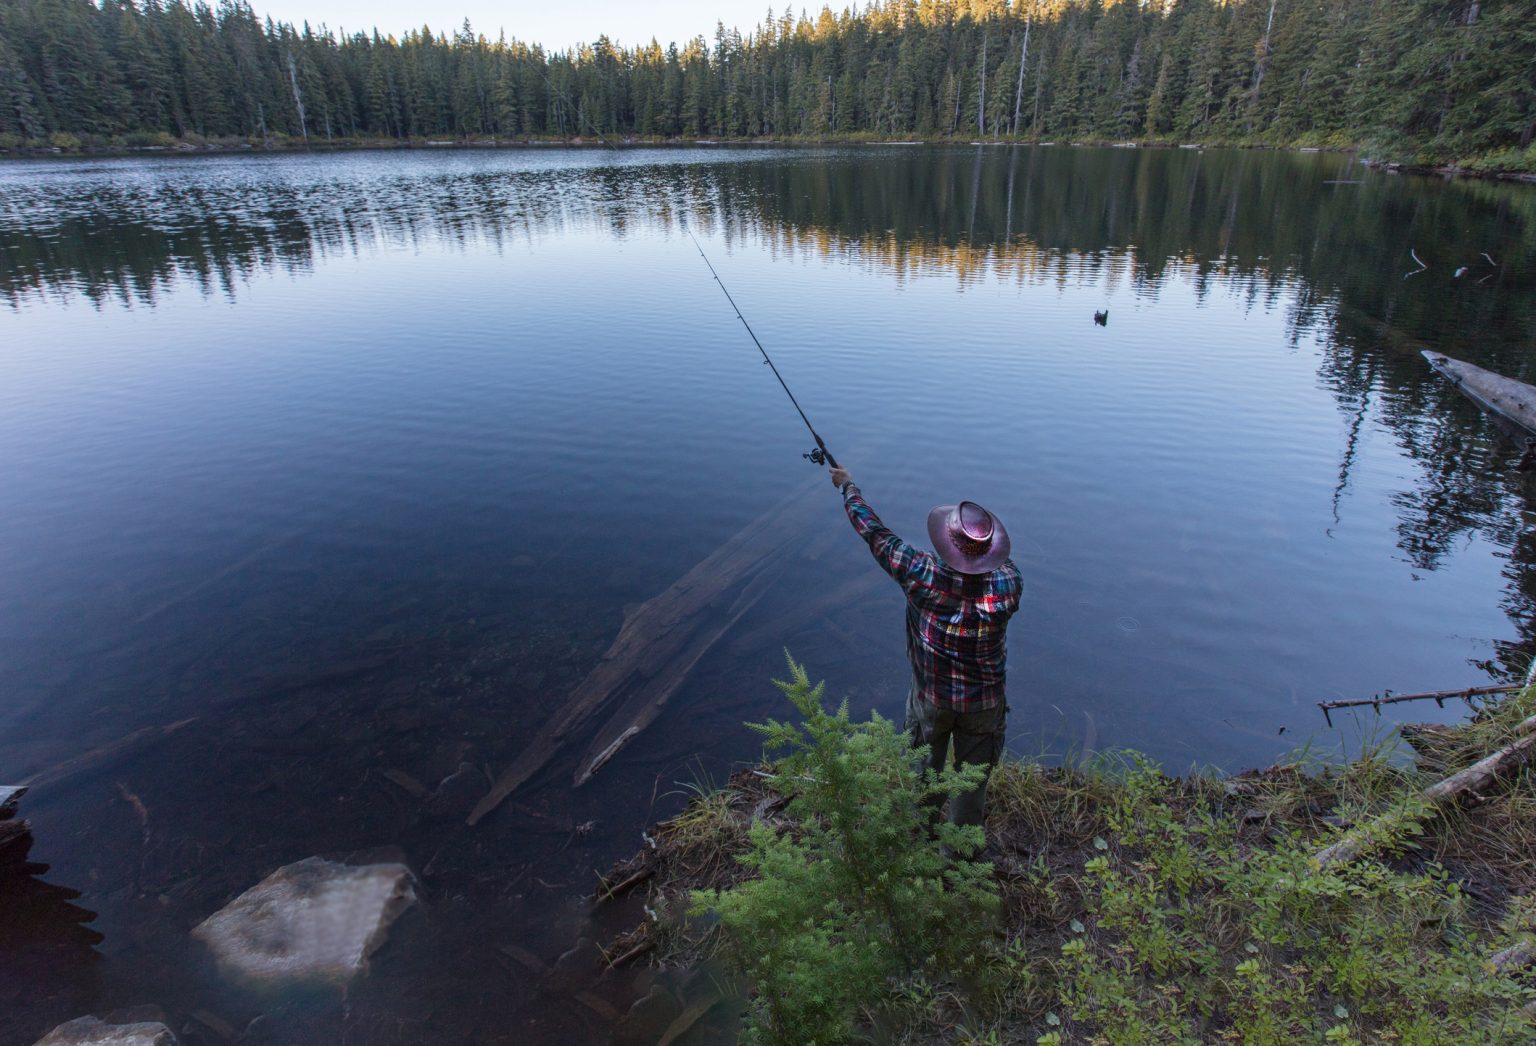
x=958 y=605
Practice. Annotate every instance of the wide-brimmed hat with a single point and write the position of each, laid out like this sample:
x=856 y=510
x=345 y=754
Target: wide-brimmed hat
x=968 y=537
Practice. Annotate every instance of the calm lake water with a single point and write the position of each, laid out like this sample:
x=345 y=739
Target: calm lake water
x=356 y=461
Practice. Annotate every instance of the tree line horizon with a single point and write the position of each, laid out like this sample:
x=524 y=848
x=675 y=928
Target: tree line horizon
x=1411 y=79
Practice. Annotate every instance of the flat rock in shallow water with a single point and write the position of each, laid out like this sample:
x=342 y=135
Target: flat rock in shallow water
x=89 y=1031
x=313 y=921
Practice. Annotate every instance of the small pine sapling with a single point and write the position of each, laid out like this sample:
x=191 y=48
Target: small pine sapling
x=863 y=893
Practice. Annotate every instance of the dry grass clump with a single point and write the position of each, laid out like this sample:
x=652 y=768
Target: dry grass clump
x=1490 y=837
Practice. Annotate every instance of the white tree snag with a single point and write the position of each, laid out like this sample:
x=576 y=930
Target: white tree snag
x=662 y=640
x=1464 y=782
x=1018 y=91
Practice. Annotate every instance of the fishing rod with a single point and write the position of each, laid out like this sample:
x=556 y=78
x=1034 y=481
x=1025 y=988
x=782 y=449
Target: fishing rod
x=817 y=456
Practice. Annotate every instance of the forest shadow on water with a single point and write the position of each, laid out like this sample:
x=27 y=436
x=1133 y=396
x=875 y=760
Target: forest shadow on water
x=332 y=478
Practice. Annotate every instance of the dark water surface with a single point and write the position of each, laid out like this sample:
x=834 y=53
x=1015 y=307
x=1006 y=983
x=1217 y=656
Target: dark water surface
x=358 y=459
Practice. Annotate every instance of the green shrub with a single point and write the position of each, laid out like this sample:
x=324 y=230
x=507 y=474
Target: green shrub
x=1500 y=160
x=861 y=898
x=160 y=139
x=1186 y=929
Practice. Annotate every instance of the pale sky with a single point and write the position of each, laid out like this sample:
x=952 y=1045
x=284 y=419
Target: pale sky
x=557 y=24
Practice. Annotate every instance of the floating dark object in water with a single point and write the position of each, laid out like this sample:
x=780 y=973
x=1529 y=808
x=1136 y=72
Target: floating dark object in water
x=1507 y=400
x=1101 y=318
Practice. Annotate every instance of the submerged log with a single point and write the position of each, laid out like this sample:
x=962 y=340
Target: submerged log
x=644 y=704
x=106 y=755
x=1466 y=782
x=840 y=597
x=661 y=641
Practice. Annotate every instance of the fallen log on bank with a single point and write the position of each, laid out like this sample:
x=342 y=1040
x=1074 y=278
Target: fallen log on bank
x=1470 y=781
x=661 y=641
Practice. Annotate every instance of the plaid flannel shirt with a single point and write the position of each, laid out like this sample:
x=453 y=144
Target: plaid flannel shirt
x=956 y=623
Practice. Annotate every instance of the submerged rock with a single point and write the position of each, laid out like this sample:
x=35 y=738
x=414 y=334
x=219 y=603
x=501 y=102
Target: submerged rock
x=315 y=921
x=91 y=1031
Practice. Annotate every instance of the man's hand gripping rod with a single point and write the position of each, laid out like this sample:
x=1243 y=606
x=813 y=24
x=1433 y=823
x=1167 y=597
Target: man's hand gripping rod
x=818 y=456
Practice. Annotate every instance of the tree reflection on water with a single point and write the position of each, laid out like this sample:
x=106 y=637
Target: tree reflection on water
x=1331 y=242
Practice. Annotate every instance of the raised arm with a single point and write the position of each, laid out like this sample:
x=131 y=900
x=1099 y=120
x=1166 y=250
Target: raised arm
x=895 y=556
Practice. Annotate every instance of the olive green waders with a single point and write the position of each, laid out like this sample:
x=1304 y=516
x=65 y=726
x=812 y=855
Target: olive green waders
x=976 y=737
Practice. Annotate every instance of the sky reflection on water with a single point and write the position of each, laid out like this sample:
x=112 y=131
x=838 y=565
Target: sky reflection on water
x=360 y=458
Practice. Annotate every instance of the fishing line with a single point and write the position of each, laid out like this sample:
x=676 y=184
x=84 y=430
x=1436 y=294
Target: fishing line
x=821 y=453
x=577 y=110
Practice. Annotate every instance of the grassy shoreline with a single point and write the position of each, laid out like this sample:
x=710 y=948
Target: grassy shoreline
x=1507 y=165
x=1139 y=908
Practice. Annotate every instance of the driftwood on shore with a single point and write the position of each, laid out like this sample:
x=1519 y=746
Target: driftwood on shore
x=1466 y=782
x=661 y=641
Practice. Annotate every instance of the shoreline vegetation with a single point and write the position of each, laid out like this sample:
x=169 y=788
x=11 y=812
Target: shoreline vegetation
x=1386 y=899
x=1503 y=165
x=1402 y=81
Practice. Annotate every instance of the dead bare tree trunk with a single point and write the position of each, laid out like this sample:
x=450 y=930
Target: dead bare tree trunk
x=1018 y=91
x=1260 y=65
x=981 y=101
x=298 y=97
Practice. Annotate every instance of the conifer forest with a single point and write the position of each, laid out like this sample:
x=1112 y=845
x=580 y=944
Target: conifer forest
x=1426 y=79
